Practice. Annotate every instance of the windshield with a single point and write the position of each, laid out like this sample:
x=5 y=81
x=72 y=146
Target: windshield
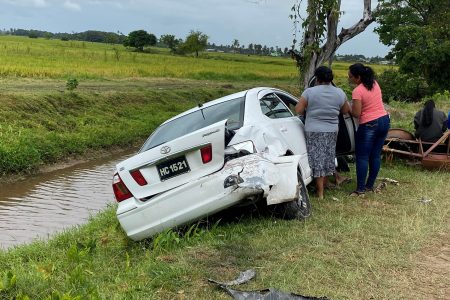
x=233 y=110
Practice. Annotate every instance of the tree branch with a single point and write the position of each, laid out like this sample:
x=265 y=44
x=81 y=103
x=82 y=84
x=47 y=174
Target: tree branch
x=360 y=26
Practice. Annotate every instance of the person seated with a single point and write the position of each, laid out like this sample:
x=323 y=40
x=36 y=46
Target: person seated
x=430 y=123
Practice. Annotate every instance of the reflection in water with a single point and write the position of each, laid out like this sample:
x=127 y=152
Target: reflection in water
x=47 y=203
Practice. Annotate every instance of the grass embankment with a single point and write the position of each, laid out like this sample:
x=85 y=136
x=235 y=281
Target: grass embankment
x=349 y=249
x=38 y=129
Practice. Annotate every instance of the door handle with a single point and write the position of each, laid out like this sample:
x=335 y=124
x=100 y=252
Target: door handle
x=282 y=129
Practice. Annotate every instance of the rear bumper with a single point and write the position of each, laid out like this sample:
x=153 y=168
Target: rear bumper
x=246 y=177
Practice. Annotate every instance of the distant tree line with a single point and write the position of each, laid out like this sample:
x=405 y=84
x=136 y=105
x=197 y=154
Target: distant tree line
x=195 y=42
x=88 y=36
x=362 y=58
x=250 y=49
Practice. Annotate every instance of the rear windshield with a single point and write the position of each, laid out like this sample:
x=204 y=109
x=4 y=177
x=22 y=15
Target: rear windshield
x=233 y=110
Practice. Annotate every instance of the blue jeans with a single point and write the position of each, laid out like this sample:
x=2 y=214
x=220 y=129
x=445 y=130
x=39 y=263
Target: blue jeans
x=369 y=141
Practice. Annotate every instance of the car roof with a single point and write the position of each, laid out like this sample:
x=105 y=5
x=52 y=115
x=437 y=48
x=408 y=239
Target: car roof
x=216 y=101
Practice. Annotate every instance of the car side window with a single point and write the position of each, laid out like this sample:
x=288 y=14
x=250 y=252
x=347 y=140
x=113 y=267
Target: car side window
x=273 y=107
x=289 y=102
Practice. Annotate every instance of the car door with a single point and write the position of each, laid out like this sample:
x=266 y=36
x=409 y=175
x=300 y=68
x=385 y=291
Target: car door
x=289 y=127
x=345 y=143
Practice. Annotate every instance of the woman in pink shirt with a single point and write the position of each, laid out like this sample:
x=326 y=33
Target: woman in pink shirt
x=373 y=126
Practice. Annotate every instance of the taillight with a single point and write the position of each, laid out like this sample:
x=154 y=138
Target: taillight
x=206 y=153
x=120 y=190
x=137 y=175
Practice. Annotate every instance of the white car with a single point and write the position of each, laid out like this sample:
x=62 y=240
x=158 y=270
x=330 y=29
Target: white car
x=239 y=149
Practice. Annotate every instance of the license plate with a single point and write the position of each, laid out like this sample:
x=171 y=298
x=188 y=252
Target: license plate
x=173 y=167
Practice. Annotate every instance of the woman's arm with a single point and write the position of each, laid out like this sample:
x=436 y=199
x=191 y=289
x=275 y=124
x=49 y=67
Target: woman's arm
x=356 y=108
x=345 y=108
x=301 y=106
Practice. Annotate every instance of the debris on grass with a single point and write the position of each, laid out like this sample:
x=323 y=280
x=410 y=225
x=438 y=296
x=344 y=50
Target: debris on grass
x=242 y=278
x=266 y=294
x=380 y=187
x=424 y=200
x=389 y=180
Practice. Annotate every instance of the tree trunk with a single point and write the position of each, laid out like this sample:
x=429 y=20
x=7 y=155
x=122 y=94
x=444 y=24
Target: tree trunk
x=313 y=55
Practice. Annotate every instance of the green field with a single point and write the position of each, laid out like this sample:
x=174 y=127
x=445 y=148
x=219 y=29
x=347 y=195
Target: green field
x=39 y=58
x=369 y=248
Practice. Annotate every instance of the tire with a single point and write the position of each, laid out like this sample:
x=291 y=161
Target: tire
x=299 y=209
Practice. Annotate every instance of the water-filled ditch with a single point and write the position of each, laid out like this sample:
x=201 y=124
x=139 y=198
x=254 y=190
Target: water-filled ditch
x=41 y=205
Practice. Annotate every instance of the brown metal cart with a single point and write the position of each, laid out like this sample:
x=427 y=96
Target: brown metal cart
x=432 y=155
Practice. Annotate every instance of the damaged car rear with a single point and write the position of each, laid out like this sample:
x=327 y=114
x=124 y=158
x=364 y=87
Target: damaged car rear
x=236 y=150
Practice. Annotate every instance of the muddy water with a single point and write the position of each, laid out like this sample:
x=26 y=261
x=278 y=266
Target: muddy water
x=44 y=204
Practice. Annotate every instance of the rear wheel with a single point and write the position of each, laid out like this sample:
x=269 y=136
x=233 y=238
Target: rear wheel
x=299 y=208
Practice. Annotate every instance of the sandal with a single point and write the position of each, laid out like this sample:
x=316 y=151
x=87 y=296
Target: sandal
x=357 y=194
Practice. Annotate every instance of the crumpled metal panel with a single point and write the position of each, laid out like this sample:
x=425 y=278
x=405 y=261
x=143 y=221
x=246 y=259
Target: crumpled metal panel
x=274 y=146
x=266 y=294
x=287 y=187
x=275 y=176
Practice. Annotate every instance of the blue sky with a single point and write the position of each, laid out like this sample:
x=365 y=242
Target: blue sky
x=263 y=22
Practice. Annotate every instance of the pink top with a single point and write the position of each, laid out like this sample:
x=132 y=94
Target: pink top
x=371 y=102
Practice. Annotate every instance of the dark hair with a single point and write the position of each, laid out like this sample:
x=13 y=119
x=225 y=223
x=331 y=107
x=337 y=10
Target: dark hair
x=366 y=74
x=427 y=114
x=324 y=74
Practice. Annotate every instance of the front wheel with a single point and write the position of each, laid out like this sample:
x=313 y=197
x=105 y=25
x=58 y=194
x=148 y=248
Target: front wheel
x=299 y=208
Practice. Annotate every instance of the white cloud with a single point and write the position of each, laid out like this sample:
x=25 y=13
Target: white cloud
x=72 y=6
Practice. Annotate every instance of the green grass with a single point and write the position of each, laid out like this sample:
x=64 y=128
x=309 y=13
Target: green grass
x=349 y=249
x=40 y=58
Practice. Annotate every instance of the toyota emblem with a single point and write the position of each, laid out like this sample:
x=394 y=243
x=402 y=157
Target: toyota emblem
x=165 y=150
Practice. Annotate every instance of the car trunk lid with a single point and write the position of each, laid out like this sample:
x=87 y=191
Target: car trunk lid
x=174 y=163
